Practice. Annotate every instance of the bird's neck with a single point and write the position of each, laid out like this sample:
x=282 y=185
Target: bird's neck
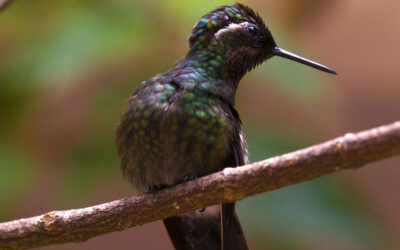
x=215 y=60
x=208 y=72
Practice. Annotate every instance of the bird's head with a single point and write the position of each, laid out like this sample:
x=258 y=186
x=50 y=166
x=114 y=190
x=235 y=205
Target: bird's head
x=241 y=38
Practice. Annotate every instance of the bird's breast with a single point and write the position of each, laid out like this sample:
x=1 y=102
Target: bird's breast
x=186 y=133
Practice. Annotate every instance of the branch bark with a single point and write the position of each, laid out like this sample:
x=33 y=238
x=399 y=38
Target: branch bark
x=231 y=184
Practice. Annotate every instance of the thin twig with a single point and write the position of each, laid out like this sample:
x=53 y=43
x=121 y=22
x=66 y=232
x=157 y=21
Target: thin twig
x=231 y=184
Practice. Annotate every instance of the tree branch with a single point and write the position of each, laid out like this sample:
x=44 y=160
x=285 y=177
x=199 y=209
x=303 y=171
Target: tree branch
x=231 y=184
x=4 y=3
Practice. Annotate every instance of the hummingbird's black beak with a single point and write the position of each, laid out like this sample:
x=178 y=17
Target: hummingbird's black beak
x=286 y=54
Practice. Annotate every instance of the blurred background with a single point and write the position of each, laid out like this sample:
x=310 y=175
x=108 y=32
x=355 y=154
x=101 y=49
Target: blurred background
x=68 y=66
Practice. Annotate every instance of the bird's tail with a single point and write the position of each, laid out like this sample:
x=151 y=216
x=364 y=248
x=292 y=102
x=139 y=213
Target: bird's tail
x=191 y=231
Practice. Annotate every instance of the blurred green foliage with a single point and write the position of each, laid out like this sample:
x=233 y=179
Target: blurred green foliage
x=67 y=68
x=14 y=177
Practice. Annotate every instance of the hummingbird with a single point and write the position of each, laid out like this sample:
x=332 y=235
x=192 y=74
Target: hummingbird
x=182 y=124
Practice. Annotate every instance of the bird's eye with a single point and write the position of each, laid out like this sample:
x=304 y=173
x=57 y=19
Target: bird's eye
x=252 y=30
